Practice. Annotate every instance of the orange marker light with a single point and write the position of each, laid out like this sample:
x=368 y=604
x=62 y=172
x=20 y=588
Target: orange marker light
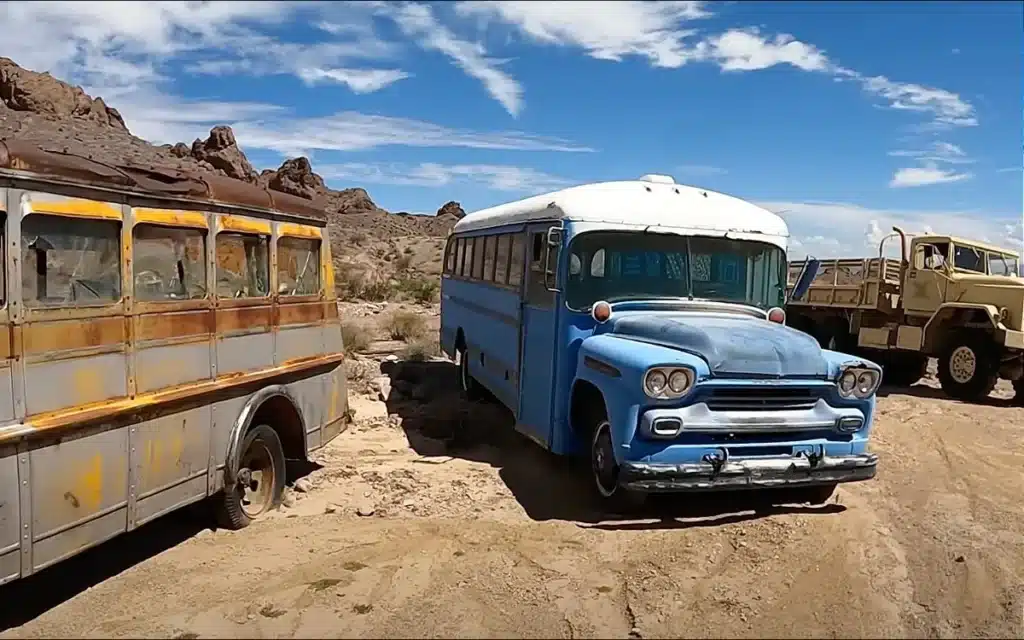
x=601 y=311
x=775 y=314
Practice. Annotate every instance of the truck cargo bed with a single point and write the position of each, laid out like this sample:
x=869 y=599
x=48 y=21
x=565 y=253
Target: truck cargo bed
x=850 y=283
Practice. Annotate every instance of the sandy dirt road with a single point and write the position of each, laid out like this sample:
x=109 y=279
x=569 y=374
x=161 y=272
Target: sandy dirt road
x=401 y=534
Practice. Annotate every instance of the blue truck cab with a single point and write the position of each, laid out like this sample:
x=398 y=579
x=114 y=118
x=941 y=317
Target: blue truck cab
x=641 y=324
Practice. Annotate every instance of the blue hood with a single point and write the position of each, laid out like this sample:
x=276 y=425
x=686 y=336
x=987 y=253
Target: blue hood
x=730 y=344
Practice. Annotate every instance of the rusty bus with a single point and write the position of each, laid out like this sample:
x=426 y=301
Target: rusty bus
x=164 y=338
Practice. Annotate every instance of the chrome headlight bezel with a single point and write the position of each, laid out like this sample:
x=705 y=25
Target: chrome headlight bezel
x=668 y=374
x=858 y=381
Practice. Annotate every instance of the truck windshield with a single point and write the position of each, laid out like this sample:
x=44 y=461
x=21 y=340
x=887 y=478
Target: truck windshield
x=617 y=265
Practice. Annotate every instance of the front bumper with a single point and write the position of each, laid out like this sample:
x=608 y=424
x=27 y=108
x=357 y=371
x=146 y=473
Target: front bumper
x=722 y=473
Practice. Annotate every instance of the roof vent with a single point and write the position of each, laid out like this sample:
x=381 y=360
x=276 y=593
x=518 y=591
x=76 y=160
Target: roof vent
x=653 y=177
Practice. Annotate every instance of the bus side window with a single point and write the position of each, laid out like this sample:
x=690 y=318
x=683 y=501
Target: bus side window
x=478 y=258
x=467 y=264
x=515 y=269
x=460 y=253
x=168 y=263
x=489 y=246
x=68 y=261
x=536 y=292
x=298 y=266
x=449 y=254
x=501 y=259
x=243 y=265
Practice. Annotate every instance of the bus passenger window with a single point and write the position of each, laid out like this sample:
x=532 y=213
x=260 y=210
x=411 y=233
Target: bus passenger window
x=449 y=255
x=515 y=268
x=501 y=259
x=478 y=259
x=489 y=246
x=467 y=264
x=168 y=263
x=67 y=261
x=298 y=266
x=460 y=253
x=243 y=265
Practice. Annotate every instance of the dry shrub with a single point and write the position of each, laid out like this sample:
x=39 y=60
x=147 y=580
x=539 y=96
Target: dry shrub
x=355 y=335
x=405 y=325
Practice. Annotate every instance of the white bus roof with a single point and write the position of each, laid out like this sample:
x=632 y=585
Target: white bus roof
x=651 y=201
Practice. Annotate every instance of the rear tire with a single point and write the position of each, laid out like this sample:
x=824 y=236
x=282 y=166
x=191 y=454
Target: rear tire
x=968 y=369
x=260 y=483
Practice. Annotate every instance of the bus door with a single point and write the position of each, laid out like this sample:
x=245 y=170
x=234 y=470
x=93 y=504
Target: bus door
x=538 y=318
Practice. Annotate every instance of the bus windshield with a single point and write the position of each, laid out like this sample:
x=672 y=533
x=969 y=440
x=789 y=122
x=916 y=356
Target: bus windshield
x=617 y=265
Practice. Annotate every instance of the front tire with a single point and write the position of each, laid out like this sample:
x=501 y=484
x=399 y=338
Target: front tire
x=604 y=471
x=967 y=370
x=259 y=487
x=814 y=495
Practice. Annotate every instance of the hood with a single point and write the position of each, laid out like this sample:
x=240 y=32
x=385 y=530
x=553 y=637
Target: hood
x=730 y=344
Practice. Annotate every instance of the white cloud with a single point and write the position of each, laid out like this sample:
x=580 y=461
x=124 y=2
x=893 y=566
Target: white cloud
x=947 y=109
x=923 y=176
x=351 y=131
x=836 y=229
x=937 y=152
x=1010 y=170
x=427 y=174
x=418 y=21
x=748 y=50
x=605 y=30
x=358 y=80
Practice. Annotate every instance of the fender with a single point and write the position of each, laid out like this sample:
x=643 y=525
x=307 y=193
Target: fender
x=934 y=324
x=244 y=420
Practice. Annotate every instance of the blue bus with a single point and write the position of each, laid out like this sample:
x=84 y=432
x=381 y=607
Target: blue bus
x=641 y=324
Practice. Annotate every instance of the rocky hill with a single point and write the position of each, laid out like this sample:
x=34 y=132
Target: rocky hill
x=369 y=244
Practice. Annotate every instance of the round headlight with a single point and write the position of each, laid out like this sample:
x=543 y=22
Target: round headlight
x=865 y=381
x=848 y=382
x=656 y=382
x=679 y=382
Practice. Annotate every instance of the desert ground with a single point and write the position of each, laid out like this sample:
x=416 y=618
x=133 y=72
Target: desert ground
x=399 y=530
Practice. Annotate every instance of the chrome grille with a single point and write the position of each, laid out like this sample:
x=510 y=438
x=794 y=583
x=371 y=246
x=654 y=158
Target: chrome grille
x=761 y=398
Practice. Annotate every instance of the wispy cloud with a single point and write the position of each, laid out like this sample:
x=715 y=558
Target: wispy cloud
x=358 y=80
x=936 y=152
x=417 y=21
x=923 y=176
x=1010 y=170
x=428 y=174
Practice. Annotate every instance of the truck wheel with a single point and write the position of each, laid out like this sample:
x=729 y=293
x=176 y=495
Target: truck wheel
x=260 y=483
x=966 y=367
x=904 y=369
x=467 y=383
x=604 y=471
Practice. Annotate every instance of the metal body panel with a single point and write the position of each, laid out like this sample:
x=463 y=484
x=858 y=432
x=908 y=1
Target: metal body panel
x=172 y=453
x=168 y=366
x=72 y=382
x=240 y=354
x=300 y=342
x=10 y=520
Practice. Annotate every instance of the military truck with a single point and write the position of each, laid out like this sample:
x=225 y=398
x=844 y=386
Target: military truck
x=960 y=301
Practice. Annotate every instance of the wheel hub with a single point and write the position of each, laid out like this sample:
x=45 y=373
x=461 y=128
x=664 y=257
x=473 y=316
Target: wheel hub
x=963 y=364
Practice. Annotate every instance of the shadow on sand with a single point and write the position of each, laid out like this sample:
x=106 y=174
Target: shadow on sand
x=438 y=421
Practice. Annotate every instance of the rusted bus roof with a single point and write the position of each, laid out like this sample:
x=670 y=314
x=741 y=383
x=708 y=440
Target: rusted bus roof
x=152 y=182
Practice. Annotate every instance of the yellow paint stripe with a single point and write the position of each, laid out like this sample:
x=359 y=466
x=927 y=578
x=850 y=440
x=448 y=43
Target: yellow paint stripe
x=77 y=208
x=171 y=217
x=243 y=225
x=299 y=231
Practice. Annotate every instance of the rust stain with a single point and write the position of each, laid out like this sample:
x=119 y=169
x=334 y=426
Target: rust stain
x=237 y=318
x=164 y=326
x=89 y=484
x=298 y=230
x=62 y=335
x=170 y=217
x=65 y=418
x=300 y=312
x=243 y=224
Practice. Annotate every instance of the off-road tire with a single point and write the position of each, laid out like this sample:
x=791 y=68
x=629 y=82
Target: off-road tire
x=261 y=440
x=968 y=383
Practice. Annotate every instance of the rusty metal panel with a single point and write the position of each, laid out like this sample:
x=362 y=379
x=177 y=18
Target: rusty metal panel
x=309 y=393
x=332 y=338
x=170 y=459
x=10 y=520
x=168 y=366
x=79 y=495
x=6 y=393
x=225 y=414
x=67 y=383
x=298 y=343
x=237 y=354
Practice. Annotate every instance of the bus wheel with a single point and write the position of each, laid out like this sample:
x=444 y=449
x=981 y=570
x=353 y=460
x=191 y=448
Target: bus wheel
x=260 y=483
x=467 y=383
x=966 y=368
x=604 y=471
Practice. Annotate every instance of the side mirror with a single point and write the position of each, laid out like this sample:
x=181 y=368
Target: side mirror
x=554 y=236
x=807 y=275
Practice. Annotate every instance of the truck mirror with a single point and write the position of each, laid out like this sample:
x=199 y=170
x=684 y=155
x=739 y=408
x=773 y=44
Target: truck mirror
x=807 y=275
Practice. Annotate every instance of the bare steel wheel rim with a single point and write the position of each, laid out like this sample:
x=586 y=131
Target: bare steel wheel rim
x=963 y=364
x=602 y=461
x=256 y=478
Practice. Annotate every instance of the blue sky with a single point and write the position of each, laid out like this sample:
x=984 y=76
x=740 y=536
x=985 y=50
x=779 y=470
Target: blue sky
x=846 y=117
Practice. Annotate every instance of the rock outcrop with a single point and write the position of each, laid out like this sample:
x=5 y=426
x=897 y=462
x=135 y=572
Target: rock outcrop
x=220 y=151
x=41 y=93
x=451 y=208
